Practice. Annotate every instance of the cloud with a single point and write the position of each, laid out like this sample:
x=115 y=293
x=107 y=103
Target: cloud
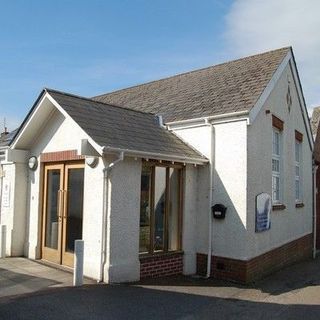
x=258 y=25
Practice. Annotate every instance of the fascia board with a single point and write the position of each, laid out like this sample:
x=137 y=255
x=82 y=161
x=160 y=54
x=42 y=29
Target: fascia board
x=268 y=89
x=96 y=146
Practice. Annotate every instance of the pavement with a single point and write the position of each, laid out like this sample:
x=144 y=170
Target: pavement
x=293 y=293
x=21 y=276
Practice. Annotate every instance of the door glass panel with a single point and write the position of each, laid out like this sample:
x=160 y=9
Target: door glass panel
x=159 y=207
x=74 y=207
x=52 y=224
x=145 y=202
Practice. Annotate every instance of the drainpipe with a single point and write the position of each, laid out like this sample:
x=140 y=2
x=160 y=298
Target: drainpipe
x=106 y=172
x=315 y=191
x=211 y=163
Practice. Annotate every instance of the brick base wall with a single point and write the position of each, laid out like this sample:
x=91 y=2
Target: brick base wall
x=67 y=155
x=258 y=267
x=161 y=265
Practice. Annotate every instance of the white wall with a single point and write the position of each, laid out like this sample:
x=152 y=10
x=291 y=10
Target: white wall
x=291 y=223
x=190 y=234
x=14 y=214
x=196 y=197
x=229 y=186
x=123 y=222
x=58 y=135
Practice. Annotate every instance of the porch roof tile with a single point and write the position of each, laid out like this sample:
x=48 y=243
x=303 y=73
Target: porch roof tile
x=123 y=128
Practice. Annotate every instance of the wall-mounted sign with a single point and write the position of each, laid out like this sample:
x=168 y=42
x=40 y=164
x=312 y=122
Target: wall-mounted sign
x=263 y=211
x=6 y=194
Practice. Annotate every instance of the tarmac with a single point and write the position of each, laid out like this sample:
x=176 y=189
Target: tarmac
x=30 y=290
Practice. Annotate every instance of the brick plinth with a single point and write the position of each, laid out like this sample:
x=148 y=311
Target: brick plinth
x=161 y=265
x=67 y=155
x=246 y=271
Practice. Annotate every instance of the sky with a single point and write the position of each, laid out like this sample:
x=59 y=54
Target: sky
x=93 y=47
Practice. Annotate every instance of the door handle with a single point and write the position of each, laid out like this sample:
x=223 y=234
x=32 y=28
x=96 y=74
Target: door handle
x=59 y=205
x=65 y=192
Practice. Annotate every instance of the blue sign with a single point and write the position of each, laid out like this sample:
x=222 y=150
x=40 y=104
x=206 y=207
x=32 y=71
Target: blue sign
x=263 y=212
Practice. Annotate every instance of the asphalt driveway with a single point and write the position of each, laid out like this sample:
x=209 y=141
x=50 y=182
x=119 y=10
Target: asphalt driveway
x=293 y=293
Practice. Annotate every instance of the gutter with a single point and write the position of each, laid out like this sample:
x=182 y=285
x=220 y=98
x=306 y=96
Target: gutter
x=315 y=191
x=211 y=163
x=105 y=217
x=210 y=118
x=154 y=155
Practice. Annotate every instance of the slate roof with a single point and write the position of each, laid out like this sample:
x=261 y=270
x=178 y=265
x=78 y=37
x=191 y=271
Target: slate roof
x=224 y=88
x=118 y=127
x=6 y=139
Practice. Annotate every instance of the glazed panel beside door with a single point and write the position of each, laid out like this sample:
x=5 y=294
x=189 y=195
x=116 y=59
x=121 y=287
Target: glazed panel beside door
x=73 y=210
x=52 y=213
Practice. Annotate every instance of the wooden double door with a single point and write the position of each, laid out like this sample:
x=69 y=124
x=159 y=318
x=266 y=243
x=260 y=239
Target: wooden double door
x=62 y=211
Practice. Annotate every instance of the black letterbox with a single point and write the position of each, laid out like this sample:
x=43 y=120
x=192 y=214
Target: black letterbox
x=219 y=211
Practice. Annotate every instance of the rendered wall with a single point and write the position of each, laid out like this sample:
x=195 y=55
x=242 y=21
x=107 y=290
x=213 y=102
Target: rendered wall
x=229 y=186
x=291 y=223
x=123 y=222
x=58 y=135
x=190 y=233
x=14 y=215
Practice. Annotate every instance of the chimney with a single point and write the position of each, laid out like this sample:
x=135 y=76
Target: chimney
x=4 y=133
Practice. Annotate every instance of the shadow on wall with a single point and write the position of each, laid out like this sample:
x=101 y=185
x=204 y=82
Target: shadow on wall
x=129 y=302
x=229 y=234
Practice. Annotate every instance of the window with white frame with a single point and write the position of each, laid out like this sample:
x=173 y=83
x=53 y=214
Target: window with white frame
x=276 y=166
x=298 y=161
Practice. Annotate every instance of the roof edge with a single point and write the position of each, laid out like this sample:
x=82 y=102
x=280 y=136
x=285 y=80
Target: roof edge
x=159 y=156
x=95 y=101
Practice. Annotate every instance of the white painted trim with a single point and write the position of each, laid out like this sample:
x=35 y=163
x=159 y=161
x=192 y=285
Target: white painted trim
x=28 y=122
x=199 y=121
x=62 y=111
x=271 y=85
x=302 y=104
x=66 y=115
x=205 y=123
x=268 y=89
x=158 y=156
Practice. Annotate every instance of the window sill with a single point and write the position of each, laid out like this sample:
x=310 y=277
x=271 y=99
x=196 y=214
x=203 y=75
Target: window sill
x=143 y=256
x=278 y=207
x=299 y=205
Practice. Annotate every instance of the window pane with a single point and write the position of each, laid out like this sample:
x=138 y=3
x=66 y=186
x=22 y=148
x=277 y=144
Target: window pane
x=145 y=209
x=173 y=232
x=297 y=151
x=159 y=208
x=52 y=224
x=297 y=171
x=275 y=188
x=276 y=143
x=297 y=190
x=75 y=207
x=275 y=165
